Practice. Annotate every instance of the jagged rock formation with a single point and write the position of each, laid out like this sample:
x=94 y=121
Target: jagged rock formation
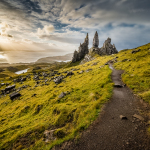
x=83 y=50
x=106 y=49
x=95 y=40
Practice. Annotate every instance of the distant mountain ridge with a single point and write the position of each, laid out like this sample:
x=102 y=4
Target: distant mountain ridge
x=52 y=59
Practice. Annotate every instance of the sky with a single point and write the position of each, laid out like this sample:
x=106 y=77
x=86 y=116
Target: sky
x=32 y=29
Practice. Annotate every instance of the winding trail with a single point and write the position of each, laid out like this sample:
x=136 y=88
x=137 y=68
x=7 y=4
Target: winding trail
x=109 y=131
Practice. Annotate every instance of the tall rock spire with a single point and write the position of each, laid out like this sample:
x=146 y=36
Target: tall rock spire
x=96 y=40
x=86 y=39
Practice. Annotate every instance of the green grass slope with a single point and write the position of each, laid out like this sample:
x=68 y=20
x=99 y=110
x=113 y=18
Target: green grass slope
x=23 y=121
x=137 y=70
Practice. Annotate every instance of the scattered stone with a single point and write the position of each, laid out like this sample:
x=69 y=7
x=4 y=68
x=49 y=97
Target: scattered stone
x=74 y=69
x=26 y=107
x=45 y=74
x=52 y=74
x=7 y=92
x=7 y=84
x=88 y=70
x=14 y=95
x=3 y=119
x=70 y=73
x=24 y=86
x=94 y=64
x=123 y=117
x=135 y=51
x=36 y=77
x=138 y=117
x=124 y=60
x=81 y=71
x=58 y=79
x=2 y=84
x=37 y=82
x=23 y=79
x=34 y=95
x=118 y=85
x=38 y=108
x=49 y=135
x=62 y=95
x=101 y=66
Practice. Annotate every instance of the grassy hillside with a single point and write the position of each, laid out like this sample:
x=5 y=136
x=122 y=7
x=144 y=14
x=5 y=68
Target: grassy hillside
x=24 y=120
x=137 y=70
x=10 y=69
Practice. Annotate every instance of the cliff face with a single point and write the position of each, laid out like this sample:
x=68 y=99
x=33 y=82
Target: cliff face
x=106 y=49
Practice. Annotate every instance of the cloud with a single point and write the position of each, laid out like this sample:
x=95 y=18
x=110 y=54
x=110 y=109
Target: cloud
x=47 y=24
x=47 y=29
x=4 y=28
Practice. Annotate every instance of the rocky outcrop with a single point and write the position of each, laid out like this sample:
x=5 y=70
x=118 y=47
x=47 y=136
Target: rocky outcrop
x=83 y=50
x=108 y=48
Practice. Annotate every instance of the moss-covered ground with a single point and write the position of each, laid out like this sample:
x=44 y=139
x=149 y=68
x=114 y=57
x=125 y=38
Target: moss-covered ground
x=24 y=120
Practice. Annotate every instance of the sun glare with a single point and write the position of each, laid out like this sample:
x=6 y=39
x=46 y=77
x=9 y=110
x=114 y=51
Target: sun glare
x=2 y=57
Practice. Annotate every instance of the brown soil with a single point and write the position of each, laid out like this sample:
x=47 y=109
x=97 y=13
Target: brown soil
x=109 y=131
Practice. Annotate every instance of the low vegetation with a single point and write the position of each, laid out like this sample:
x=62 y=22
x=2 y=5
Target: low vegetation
x=24 y=120
x=67 y=108
x=136 y=66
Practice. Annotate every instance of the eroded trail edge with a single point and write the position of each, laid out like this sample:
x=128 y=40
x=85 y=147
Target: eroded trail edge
x=120 y=126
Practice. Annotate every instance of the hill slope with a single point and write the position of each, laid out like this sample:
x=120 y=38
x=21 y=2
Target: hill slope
x=55 y=59
x=63 y=110
x=24 y=120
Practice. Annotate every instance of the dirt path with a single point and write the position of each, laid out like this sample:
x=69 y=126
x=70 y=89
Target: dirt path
x=109 y=131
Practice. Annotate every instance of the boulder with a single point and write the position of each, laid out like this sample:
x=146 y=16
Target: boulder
x=118 y=85
x=62 y=95
x=123 y=117
x=81 y=71
x=58 y=79
x=9 y=88
x=14 y=95
x=135 y=51
x=88 y=70
x=23 y=79
x=36 y=77
x=2 y=84
x=49 y=135
x=38 y=108
x=70 y=73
